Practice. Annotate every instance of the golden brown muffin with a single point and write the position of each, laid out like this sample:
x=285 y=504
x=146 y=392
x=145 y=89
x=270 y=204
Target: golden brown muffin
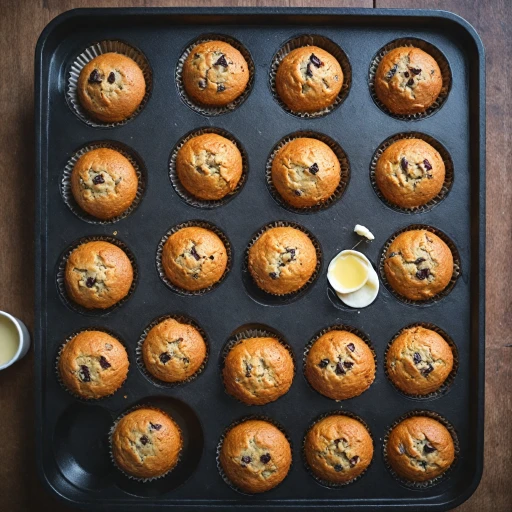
x=340 y=365
x=418 y=264
x=410 y=173
x=338 y=449
x=111 y=87
x=408 y=80
x=93 y=364
x=420 y=449
x=308 y=79
x=104 y=183
x=194 y=258
x=419 y=361
x=255 y=456
x=282 y=260
x=258 y=370
x=209 y=166
x=215 y=74
x=146 y=443
x=98 y=275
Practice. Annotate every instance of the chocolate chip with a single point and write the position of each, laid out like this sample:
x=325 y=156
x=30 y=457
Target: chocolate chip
x=415 y=71
x=314 y=169
x=201 y=84
x=221 y=87
x=186 y=360
x=427 y=165
x=165 y=357
x=84 y=373
x=155 y=426
x=212 y=257
x=98 y=179
x=315 y=60
x=348 y=364
x=272 y=275
x=423 y=273
x=432 y=71
x=419 y=260
x=428 y=448
x=338 y=468
x=404 y=163
x=323 y=363
x=95 y=77
x=416 y=358
x=427 y=370
x=248 y=368
x=246 y=459
x=339 y=369
x=265 y=458
x=308 y=70
x=351 y=347
x=353 y=461
x=193 y=253
x=195 y=276
x=221 y=61
x=111 y=78
x=297 y=192
x=406 y=74
x=391 y=73
x=90 y=282
x=410 y=82
x=104 y=363
x=144 y=440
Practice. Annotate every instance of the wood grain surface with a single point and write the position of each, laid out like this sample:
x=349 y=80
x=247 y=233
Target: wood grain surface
x=21 y=22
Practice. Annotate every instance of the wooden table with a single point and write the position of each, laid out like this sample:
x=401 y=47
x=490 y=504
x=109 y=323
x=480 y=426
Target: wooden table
x=21 y=22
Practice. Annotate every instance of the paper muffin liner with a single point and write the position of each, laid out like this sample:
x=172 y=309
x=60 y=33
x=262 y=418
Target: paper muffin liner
x=344 y=172
x=434 y=52
x=184 y=193
x=193 y=224
x=89 y=54
x=325 y=44
x=207 y=110
x=456 y=266
x=448 y=164
x=65 y=183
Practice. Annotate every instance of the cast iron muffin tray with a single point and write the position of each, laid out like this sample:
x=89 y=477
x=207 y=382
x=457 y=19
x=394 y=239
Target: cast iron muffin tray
x=72 y=435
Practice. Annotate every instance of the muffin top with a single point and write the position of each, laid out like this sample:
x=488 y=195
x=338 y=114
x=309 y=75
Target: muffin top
x=420 y=448
x=255 y=456
x=111 y=87
x=215 y=74
x=305 y=172
x=93 y=364
x=258 y=370
x=98 y=275
x=146 y=443
x=338 y=449
x=282 y=260
x=408 y=80
x=410 y=173
x=308 y=79
x=194 y=258
x=418 y=264
x=340 y=365
x=209 y=166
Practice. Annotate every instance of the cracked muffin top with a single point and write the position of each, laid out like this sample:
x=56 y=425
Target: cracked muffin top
x=418 y=264
x=308 y=79
x=146 y=443
x=258 y=370
x=408 y=80
x=111 y=87
x=98 y=275
x=255 y=456
x=420 y=449
x=215 y=74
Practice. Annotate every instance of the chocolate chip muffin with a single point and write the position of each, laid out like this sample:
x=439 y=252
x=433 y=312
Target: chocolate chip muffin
x=308 y=79
x=146 y=443
x=340 y=365
x=194 y=258
x=408 y=80
x=410 y=173
x=111 y=87
x=93 y=364
x=215 y=74
x=338 y=449
x=305 y=172
x=420 y=449
x=282 y=260
x=255 y=456
x=258 y=370
x=98 y=275
x=209 y=166
x=418 y=264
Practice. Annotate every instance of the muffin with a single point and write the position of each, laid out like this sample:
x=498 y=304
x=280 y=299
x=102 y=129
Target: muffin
x=340 y=365
x=282 y=260
x=255 y=456
x=209 y=166
x=194 y=258
x=308 y=79
x=305 y=172
x=146 y=443
x=420 y=449
x=104 y=183
x=410 y=173
x=98 y=275
x=258 y=370
x=408 y=80
x=338 y=449
x=173 y=351
x=93 y=364
x=418 y=264
x=111 y=87
x=419 y=361
x=215 y=74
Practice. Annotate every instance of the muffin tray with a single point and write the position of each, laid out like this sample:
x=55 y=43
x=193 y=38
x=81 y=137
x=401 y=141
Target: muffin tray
x=72 y=434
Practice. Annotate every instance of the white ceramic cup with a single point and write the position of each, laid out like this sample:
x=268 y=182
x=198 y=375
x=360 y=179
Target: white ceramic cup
x=23 y=339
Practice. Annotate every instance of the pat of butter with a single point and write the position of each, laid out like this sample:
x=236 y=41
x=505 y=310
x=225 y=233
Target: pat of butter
x=348 y=271
x=363 y=231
